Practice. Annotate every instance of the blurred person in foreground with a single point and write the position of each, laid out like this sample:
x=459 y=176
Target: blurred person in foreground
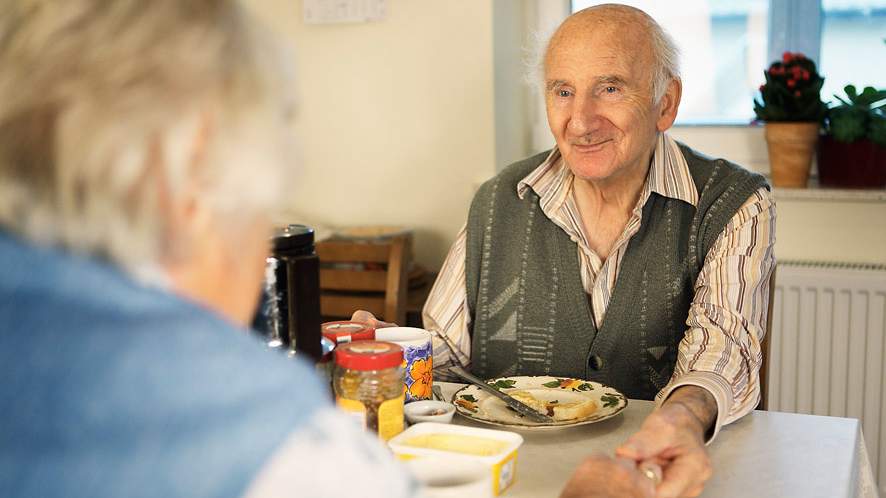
x=143 y=147
x=620 y=256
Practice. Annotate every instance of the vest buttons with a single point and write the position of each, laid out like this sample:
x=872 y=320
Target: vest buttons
x=595 y=362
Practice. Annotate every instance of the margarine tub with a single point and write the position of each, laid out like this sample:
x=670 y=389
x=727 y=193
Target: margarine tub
x=496 y=450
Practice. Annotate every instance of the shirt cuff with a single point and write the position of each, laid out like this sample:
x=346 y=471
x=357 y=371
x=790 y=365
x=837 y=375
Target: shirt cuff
x=714 y=384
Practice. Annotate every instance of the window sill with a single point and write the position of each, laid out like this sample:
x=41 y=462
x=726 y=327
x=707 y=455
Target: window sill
x=816 y=193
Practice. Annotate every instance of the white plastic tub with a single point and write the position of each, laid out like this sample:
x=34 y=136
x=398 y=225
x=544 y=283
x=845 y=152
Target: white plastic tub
x=496 y=450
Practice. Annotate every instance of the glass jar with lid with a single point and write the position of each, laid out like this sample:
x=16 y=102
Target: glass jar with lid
x=368 y=384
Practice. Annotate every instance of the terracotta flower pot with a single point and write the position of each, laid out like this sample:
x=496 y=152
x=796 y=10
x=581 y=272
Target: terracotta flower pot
x=860 y=164
x=791 y=146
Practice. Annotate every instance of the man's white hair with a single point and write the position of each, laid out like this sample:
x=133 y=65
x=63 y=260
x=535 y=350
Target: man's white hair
x=101 y=105
x=665 y=56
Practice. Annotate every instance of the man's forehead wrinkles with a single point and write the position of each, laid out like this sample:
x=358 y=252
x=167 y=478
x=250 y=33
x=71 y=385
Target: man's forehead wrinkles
x=611 y=78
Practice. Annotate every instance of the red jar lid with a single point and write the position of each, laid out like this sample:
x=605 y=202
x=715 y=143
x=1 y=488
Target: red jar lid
x=341 y=332
x=369 y=355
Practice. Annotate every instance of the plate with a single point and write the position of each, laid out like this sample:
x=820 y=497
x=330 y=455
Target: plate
x=474 y=403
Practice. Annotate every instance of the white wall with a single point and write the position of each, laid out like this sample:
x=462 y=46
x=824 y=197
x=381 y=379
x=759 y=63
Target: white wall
x=396 y=117
x=831 y=231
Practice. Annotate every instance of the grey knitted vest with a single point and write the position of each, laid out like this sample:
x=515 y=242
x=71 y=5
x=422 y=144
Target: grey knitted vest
x=530 y=314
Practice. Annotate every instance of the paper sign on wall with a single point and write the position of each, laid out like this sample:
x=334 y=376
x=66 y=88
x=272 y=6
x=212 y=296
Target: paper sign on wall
x=343 y=11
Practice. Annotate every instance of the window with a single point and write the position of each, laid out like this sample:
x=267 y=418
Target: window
x=726 y=45
x=852 y=45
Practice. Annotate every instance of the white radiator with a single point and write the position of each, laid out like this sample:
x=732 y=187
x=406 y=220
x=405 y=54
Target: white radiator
x=828 y=347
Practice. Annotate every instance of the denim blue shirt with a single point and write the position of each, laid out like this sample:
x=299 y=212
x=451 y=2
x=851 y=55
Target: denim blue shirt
x=109 y=388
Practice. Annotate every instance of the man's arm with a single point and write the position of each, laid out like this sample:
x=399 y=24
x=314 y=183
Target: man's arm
x=446 y=312
x=716 y=379
x=721 y=351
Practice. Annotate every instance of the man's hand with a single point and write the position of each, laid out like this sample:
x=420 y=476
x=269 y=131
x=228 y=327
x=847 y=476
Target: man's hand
x=604 y=477
x=673 y=437
x=370 y=319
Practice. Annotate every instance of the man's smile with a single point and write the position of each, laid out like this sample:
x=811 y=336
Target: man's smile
x=592 y=147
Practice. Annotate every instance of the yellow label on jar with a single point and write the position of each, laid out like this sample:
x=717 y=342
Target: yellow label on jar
x=354 y=409
x=390 y=418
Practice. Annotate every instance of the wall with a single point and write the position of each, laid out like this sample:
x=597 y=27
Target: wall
x=396 y=118
x=512 y=93
x=831 y=230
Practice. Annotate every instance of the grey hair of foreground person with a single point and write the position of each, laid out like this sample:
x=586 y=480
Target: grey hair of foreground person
x=101 y=105
x=665 y=54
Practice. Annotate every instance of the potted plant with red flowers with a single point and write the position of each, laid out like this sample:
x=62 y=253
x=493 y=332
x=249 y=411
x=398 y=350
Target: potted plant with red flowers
x=793 y=111
x=852 y=154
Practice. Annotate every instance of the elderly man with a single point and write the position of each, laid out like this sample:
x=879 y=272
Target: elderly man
x=621 y=255
x=141 y=144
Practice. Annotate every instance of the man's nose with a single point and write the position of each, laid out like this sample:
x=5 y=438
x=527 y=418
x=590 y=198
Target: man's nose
x=585 y=116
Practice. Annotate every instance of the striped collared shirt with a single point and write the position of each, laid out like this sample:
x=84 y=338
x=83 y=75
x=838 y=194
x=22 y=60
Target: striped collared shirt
x=727 y=319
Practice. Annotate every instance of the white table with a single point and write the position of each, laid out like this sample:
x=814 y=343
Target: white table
x=764 y=454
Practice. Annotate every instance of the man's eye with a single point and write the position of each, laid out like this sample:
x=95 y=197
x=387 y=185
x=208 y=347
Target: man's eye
x=611 y=89
x=564 y=93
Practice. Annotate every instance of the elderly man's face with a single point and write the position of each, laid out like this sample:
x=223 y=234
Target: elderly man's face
x=598 y=94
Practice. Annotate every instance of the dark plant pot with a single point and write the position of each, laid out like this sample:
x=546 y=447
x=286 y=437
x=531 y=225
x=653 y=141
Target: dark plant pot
x=860 y=164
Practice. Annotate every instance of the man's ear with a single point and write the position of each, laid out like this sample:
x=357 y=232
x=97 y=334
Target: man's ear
x=669 y=104
x=188 y=216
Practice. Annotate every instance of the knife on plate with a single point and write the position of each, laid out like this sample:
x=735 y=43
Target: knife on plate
x=521 y=408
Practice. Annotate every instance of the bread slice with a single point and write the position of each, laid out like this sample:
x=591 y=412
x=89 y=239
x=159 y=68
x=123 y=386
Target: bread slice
x=558 y=411
x=570 y=411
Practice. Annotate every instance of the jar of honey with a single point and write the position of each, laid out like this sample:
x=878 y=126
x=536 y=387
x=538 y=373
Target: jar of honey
x=368 y=384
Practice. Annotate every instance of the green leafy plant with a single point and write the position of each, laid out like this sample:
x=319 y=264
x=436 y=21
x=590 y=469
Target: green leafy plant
x=792 y=91
x=858 y=116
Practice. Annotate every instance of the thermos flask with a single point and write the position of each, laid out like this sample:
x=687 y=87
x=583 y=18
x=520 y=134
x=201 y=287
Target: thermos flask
x=290 y=306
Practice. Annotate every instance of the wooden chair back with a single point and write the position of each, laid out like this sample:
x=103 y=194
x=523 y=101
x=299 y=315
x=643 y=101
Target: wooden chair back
x=766 y=347
x=377 y=284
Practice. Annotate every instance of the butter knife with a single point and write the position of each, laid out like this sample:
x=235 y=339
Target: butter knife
x=521 y=408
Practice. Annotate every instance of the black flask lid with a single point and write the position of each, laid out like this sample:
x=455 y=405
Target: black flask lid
x=294 y=240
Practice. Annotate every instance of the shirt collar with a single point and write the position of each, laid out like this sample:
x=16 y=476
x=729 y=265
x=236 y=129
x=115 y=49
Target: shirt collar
x=668 y=176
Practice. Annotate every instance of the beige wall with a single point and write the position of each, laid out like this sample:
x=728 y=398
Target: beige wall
x=831 y=231
x=396 y=118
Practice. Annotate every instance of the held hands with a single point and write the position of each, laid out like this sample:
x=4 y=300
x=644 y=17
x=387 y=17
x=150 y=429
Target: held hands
x=604 y=477
x=370 y=319
x=673 y=437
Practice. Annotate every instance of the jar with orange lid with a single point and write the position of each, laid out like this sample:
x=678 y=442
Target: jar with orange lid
x=368 y=384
